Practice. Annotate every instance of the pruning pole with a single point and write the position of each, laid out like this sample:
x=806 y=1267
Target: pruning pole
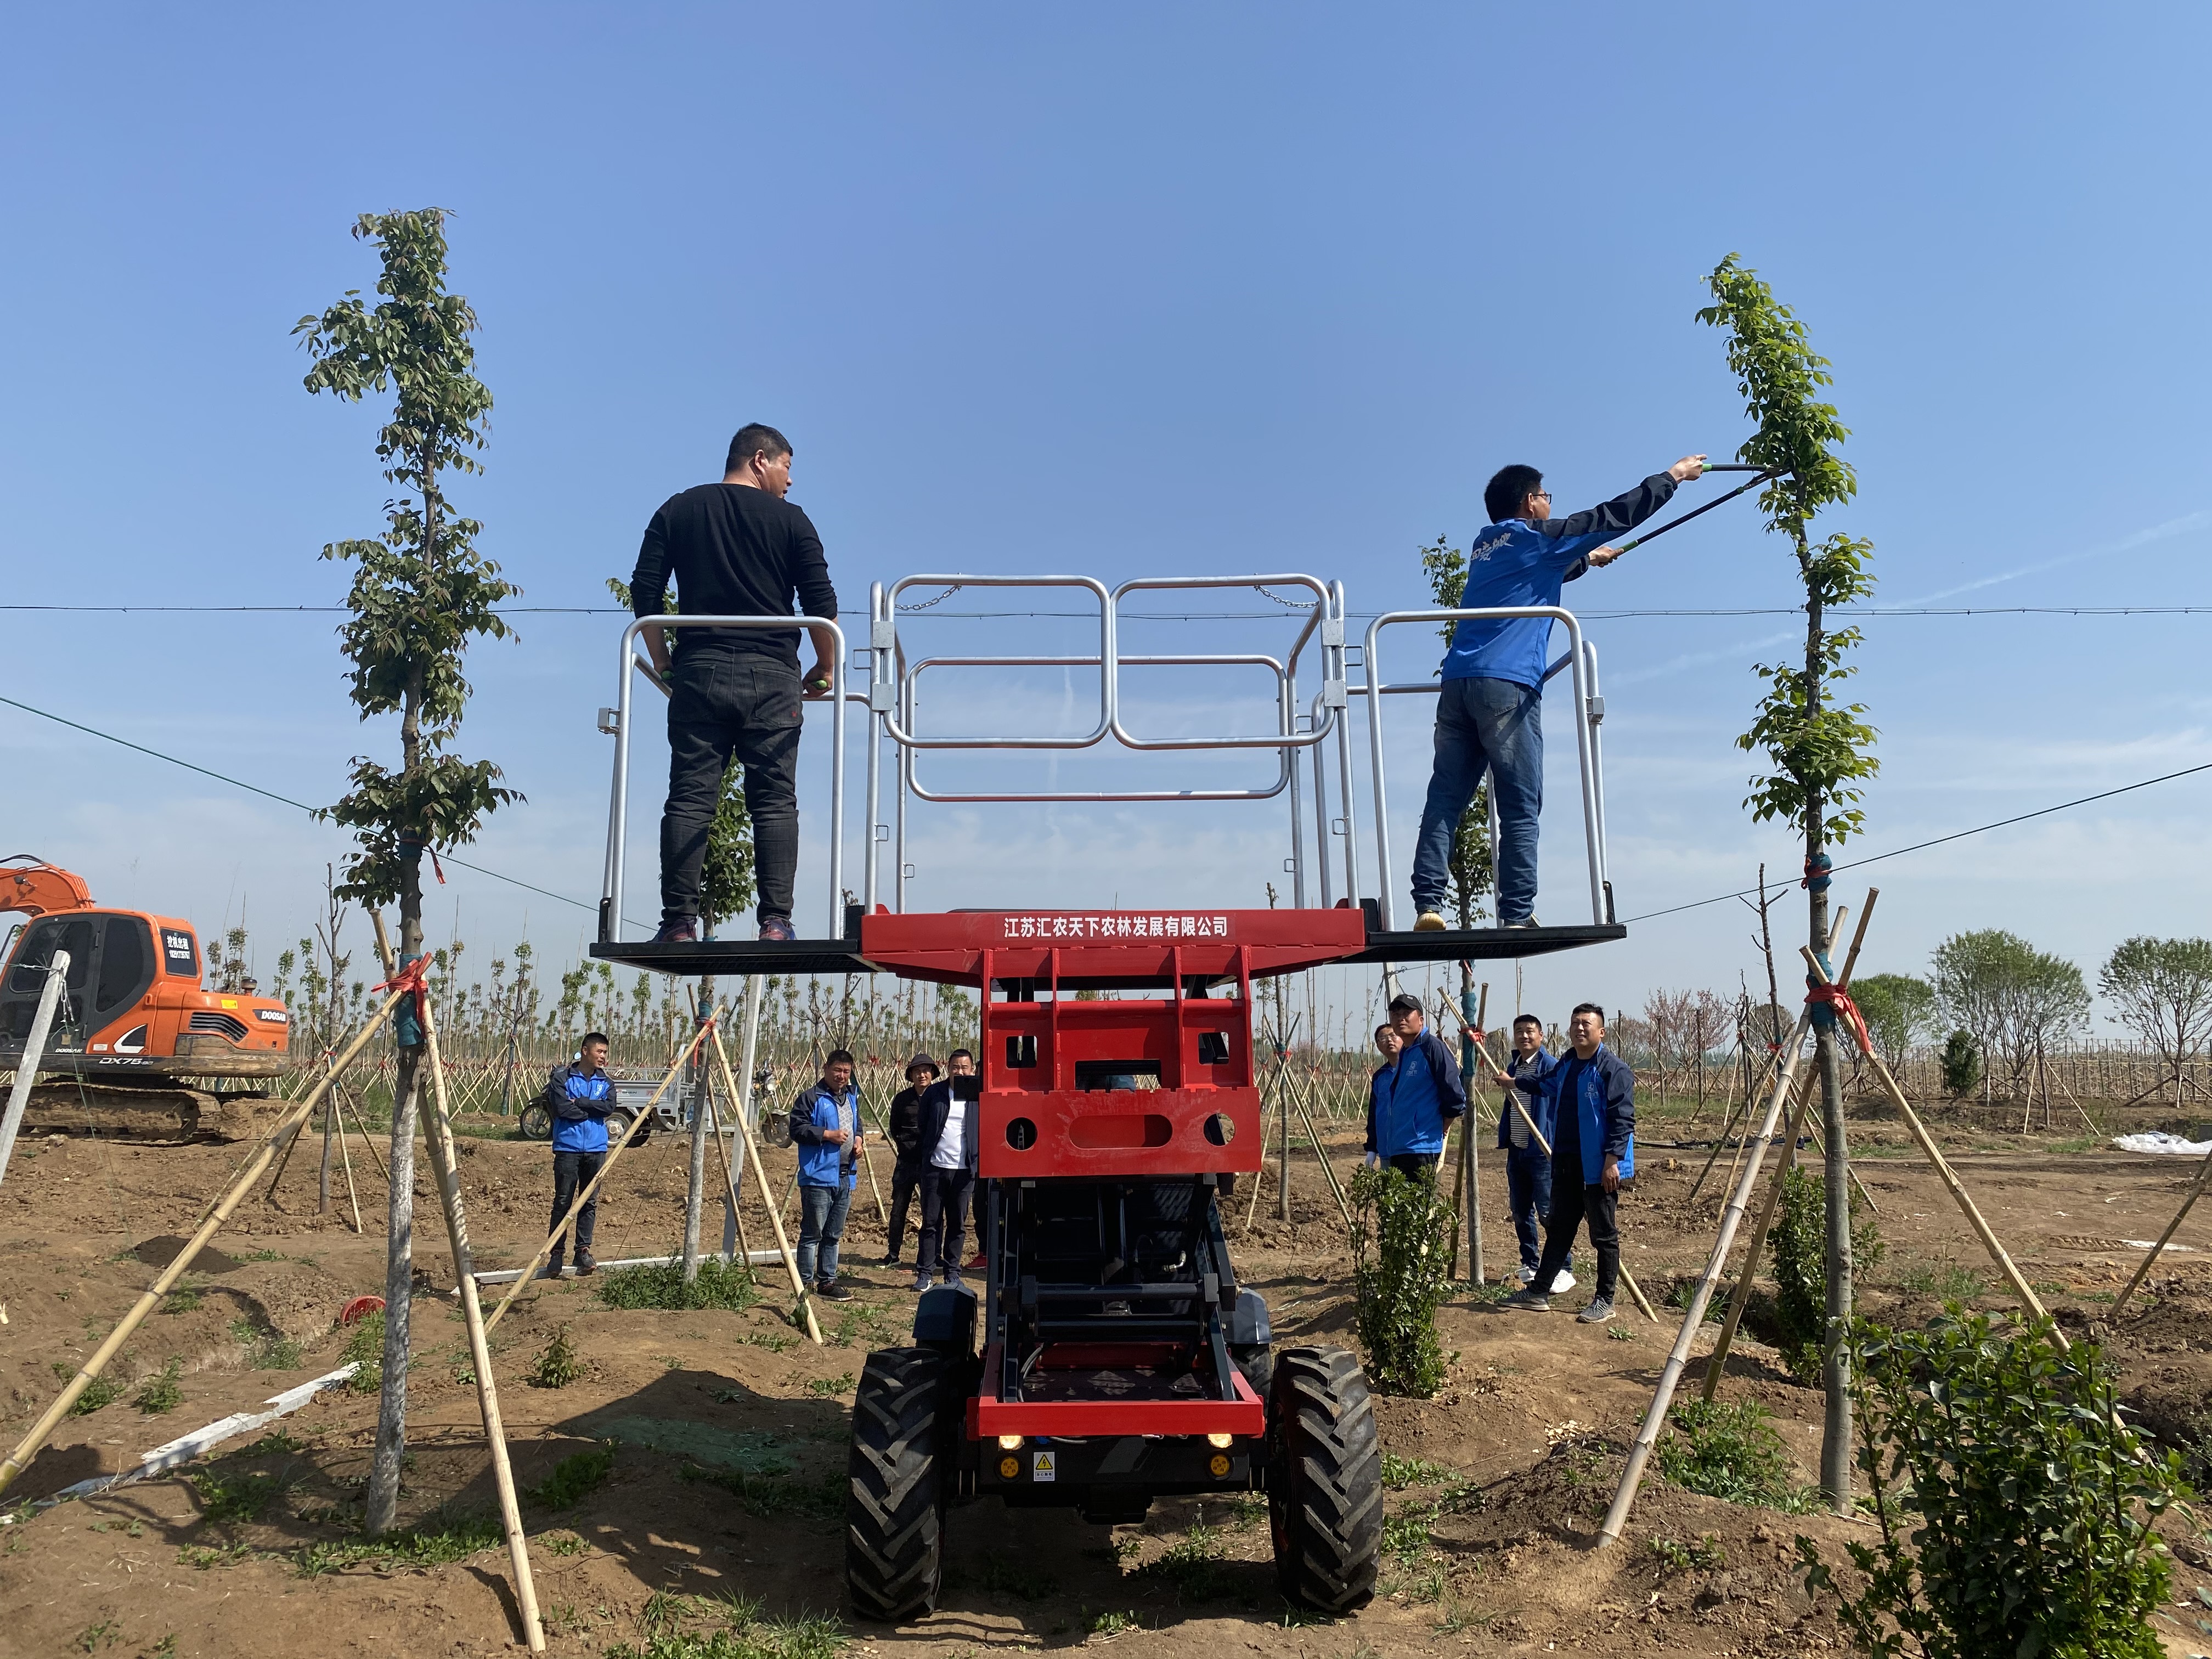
x=559 y=1236
x=1624 y=1495
x=760 y=1175
x=444 y=1166
x=2021 y=1287
x=217 y=1213
x=1537 y=1135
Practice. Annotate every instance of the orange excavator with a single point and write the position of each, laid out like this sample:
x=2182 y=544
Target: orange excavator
x=137 y=1047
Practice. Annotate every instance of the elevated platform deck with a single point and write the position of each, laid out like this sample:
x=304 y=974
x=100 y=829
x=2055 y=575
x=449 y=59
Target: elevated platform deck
x=925 y=947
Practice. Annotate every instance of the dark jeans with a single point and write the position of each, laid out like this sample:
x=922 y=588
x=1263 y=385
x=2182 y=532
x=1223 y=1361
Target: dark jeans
x=1529 y=1201
x=821 y=1225
x=1497 y=726
x=1416 y=1166
x=723 y=705
x=572 y=1173
x=906 y=1180
x=1571 y=1202
x=944 y=1211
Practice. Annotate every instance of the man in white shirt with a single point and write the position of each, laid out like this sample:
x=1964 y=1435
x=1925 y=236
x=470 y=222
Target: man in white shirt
x=947 y=1143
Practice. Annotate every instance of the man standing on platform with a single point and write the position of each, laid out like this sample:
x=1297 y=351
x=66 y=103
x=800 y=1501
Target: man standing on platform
x=1489 y=710
x=1591 y=1094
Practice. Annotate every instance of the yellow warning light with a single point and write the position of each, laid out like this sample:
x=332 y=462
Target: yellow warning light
x=1009 y=1467
x=1220 y=1443
x=1220 y=1463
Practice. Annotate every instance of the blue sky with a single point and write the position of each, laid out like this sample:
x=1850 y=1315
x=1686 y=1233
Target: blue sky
x=1166 y=291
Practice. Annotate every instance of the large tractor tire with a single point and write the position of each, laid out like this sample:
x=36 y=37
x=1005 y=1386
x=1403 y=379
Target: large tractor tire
x=901 y=1479
x=1324 y=1479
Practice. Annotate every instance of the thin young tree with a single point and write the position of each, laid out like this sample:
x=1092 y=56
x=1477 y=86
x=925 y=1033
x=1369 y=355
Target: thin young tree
x=421 y=592
x=2163 y=988
x=1816 y=741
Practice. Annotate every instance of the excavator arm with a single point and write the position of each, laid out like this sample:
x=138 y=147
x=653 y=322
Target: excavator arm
x=39 y=889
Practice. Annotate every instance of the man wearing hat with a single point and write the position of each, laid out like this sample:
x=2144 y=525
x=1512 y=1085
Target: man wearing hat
x=906 y=1136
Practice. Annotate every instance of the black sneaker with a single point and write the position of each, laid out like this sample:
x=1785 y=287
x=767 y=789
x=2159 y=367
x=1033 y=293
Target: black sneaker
x=891 y=1260
x=586 y=1263
x=777 y=929
x=678 y=930
x=550 y=1270
x=831 y=1291
x=1528 y=1301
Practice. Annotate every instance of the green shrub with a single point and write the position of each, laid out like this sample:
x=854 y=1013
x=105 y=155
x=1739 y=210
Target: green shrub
x=1962 y=1064
x=661 y=1285
x=575 y=1479
x=365 y=1349
x=2027 y=1504
x=557 y=1365
x=160 y=1393
x=1731 y=1452
x=1401 y=1252
x=1800 y=1270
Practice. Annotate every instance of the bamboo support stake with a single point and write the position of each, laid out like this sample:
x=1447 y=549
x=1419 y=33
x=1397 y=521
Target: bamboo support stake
x=345 y=1158
x=211 y=1222
x=1627 y=1278
x=760 y=1175
x=2021 y=1287
x=559 y=1236
x=1320 y=1154
x=446 y=1167
x=1728 y=1125
x=2196 y=1192
x=1639 y=1453
x=1739 y=1297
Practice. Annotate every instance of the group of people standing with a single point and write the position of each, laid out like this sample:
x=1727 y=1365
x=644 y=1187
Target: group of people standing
x=1566 y=1124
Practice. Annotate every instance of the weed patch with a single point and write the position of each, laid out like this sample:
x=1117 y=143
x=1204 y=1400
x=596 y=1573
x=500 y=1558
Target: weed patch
x=1731 y=1452
x=769 y=1495
x=450 y=1535
x=365 y=1349
x=575 y=1479
x=236 y=1496
x=184 y=1296
x=1191 y=1566
x=557 y=1364
x=828 y=1386
x=160 y=1392
x=661 y=1285
x=735 y=1628
x=102 y=1390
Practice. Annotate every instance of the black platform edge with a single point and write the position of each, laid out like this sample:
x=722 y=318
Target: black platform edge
x=1483 y=944
x=738 y=957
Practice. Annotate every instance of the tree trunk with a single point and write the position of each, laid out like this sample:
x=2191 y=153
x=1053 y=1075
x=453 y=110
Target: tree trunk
x=1836 y=1449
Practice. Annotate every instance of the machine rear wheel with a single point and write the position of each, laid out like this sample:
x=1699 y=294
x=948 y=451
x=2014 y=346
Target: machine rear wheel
x=895 y=1505
x=1324 y=1479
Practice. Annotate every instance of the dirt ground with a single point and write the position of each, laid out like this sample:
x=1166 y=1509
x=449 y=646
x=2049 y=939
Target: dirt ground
x=731 y=1431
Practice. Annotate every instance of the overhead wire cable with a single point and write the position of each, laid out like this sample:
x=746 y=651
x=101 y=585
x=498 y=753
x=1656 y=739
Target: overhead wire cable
x=1921 y=845
x=1198 y=616
x=286 y=801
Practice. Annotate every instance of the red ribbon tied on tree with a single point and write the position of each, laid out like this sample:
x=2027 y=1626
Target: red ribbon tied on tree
x=1840 y=999
x=412 y=977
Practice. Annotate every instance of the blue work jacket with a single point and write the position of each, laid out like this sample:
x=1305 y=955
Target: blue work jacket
x=1411 y=1100
x=579 y=1104
x=1604 y=1106
x=821 y=1163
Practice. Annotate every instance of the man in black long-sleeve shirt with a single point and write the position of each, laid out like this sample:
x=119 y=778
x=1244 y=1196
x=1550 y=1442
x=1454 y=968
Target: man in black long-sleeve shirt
x=736 y=548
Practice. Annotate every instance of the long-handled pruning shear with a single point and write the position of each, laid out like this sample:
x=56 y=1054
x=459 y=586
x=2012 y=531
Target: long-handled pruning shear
x=1764 y=472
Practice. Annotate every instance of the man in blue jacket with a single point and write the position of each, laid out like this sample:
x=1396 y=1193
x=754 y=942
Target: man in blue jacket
x=1528 y=1165
x=1591 y=1098
x=1414 y=1098
x=1489 y=710
x=580 y=1097
x=825 y=1127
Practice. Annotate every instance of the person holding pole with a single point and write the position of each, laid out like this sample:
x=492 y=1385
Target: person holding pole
x=905 y=1126
x=580 y=1097
x=1414 y=1098
x=1489 y=710
x=1591 y=1097
x=825 y=1127
x=1528 y=1165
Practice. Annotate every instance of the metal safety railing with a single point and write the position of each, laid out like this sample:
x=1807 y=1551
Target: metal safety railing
x=891 y=696
x=1590 y=713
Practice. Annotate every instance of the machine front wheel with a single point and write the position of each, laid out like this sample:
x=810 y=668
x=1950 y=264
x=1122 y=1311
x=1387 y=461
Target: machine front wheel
x=899 y=1482
x=1324 y=1479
